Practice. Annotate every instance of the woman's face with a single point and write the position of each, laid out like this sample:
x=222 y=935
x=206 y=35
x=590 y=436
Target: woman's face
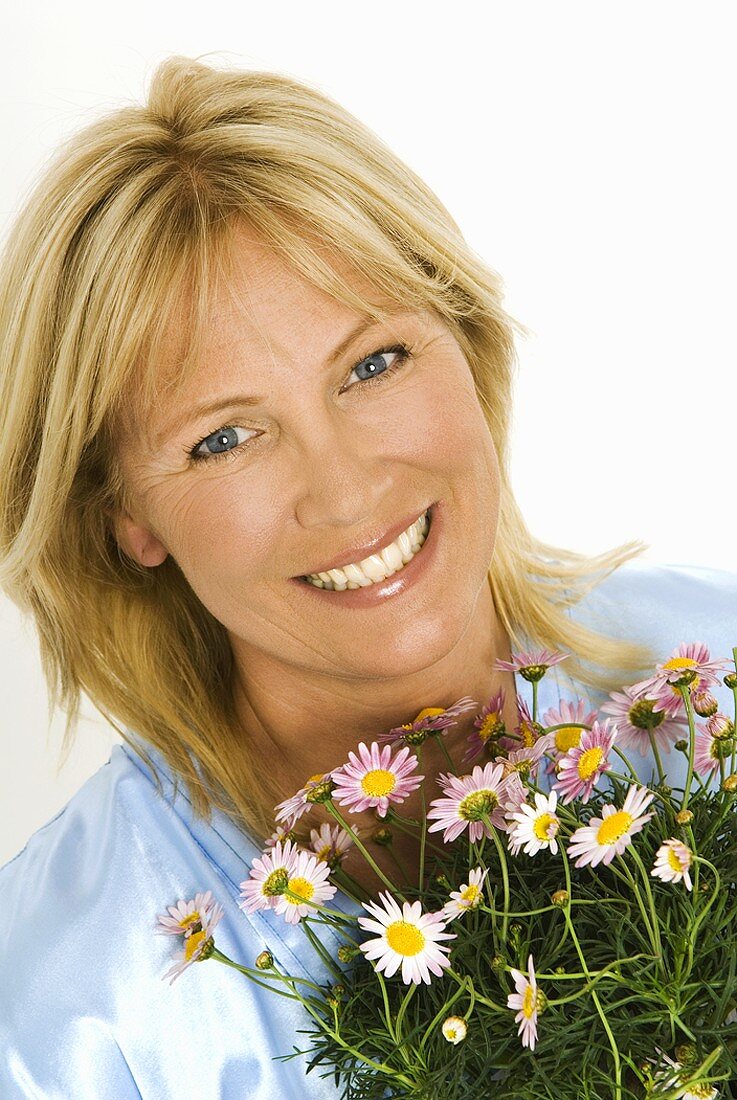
x=323 y=462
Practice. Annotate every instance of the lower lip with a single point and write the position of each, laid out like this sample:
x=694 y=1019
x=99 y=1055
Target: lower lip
x=407 y=577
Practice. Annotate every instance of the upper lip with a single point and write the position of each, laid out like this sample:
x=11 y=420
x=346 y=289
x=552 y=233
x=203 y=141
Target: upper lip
x=373 y=546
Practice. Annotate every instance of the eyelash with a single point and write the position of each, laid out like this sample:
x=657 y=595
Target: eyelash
x=403 y=352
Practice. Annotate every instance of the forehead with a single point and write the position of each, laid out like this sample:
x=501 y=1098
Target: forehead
x=263 y=305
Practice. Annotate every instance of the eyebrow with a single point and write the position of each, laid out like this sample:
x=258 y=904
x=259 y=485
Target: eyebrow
x=211 y=407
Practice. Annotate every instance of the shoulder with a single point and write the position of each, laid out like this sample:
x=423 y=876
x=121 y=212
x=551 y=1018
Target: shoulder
x=663 y=604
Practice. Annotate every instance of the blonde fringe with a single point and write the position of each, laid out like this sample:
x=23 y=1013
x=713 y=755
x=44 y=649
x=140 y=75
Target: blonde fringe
x=131 y=216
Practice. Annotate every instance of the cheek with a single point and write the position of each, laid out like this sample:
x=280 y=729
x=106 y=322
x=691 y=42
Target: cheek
x=221 y=525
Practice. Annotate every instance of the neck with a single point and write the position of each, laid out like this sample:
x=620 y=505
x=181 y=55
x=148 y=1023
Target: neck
x=303 y=724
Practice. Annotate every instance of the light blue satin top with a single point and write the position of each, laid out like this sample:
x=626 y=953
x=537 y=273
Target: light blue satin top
x=84 y=1012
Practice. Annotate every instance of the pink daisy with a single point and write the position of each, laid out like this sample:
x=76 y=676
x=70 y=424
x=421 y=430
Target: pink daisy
x=330 y=843
x=376 y=779
x=468 y=896
x=707 y=751
x=430 y=720
x=672 y=861
x=558 y=742
x=308 y=881
x=489 y=725
x=527 y=1001
x=607 y=836
x=468 y=799
x=580 y=768
x=406 y=937
x=268 y=877
x=280 y=833
x=291 y=809
x=688 y=657
x=524 y=761
x=638 y=713
x=195 y=920
x=526 y=732
x=185 y=915
x=532 y=664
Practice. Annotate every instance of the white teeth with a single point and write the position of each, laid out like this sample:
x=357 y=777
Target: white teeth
x=374 y=567
x=405 y=546
x=377 y=567
x=392 y=555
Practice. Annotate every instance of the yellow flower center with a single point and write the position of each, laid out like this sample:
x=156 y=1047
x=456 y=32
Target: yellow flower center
x=470 y=893
x=325 y=852
x=405 y=938
x=489 y=726
x=545 y=826
x=528 y=1002
x=674 y=861
x=429 y=712
x=378 y=782
x=475 y=806
x=301 y=886
x=192 y=942
x=528 y=734
x=589 y=761
x=613 y=827
x=680 y=662
x=191 y=918
x=567 y=738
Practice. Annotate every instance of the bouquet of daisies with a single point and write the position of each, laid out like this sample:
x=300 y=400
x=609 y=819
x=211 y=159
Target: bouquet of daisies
x=571 y=932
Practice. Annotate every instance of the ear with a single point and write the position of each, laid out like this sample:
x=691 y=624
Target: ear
x=138 y=541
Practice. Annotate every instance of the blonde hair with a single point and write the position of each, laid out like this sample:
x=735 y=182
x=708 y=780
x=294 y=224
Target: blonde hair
x=133 y=213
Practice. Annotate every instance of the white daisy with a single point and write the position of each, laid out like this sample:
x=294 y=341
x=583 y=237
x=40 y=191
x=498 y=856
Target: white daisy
x=607 y=836
x=672 y=861
x=527 y=1000
x=536 y=826
x=268 y=877
x=308 y=880
x=406 y=937
x=469 y=896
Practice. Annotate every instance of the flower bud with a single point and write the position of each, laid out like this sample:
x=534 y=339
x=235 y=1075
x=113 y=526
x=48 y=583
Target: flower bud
x=321 y=792
x=721 y=727
x=704 y=703
x=338 y=989
x=686 y=1054
x=730 y=784
x=681 y=745
x=497 y=964
x=684 y=817
x=560 y=898
x=382 y=836
x=442 y=879
x=346 y=953
x=454 y=1029
x=731 y=679
x=332 y=1002
x=264 y=961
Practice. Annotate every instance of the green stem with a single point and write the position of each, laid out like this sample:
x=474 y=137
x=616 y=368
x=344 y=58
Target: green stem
x=686 y=696
x=333 y=809
x=505 y=875
x=594 y=994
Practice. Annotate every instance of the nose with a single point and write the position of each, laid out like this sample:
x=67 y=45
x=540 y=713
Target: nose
x=344 y=477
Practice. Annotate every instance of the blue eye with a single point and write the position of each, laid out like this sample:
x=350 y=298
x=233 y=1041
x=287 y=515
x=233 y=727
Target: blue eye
x=369 y=363
x=221 y=439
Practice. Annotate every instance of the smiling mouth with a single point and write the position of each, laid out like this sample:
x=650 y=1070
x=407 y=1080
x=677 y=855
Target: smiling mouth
x=379 y=566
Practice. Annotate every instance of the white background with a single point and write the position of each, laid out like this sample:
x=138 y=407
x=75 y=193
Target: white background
x=587 y=152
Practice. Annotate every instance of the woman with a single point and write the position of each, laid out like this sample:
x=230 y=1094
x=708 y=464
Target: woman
x=250 y=345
